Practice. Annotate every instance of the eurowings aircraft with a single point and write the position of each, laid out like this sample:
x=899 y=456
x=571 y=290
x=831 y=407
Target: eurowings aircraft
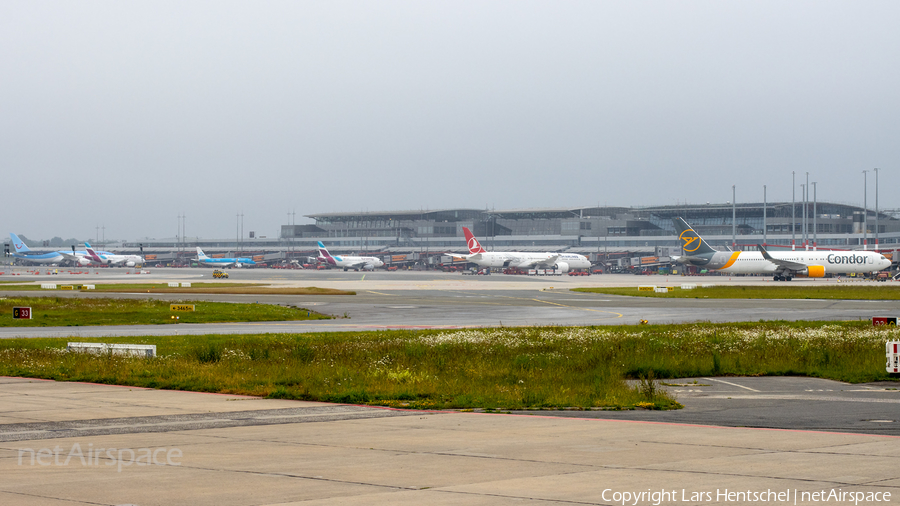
x=783 y=265
x=521 y=260
x=222 y=262
x=112 y=259
x=348 y=262
x=22 y=252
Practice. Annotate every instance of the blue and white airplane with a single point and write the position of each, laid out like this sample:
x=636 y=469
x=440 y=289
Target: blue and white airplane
x=76 y=257
x=22 y=252
x=222 y=262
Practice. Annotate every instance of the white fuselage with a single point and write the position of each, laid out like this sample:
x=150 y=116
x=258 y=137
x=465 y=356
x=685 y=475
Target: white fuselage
x=834 y=262
x=523 y=260
x=114 y=260
x=351 y=262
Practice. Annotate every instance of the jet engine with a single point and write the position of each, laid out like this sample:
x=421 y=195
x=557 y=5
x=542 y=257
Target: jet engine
x=368 y=267
x=815 y=271
x=83 y=261
x=562 y=267
x=129 y=263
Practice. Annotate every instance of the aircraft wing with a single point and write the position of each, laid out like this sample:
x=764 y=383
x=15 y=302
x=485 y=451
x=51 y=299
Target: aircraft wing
x=358 y=265
x=68 y=256
x=548 y=262
x=787 y=264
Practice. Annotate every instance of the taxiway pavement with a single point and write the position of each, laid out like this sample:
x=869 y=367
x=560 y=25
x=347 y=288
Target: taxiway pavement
x=391 y=300
x=80 y=444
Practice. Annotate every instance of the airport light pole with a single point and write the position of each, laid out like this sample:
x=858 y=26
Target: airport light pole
x=180 y=237
x=793 y=208
x=815 y=228
x=806 y=213
x=764 y=215
x=803 y=215
x=733 y=220
x=876 y=208
x=865 y=209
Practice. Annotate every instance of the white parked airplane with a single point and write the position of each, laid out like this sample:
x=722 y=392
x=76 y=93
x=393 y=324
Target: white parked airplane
x=348 y=262
x=783 y=265
x=561 y=262
x=112 y=259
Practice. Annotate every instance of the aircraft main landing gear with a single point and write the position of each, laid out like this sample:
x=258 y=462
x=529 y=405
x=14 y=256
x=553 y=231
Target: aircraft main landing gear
x=782 y=278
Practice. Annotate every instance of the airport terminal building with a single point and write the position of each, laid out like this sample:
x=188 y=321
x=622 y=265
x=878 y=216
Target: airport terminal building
x=601 y=233
x=599 y=229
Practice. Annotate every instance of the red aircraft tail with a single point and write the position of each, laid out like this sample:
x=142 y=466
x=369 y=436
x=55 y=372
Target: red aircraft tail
x=472 y=242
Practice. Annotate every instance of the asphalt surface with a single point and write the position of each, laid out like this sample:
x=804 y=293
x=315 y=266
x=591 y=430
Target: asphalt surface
x=392 y=300
x=67 y=443
x=796 y=403
x=436 y=300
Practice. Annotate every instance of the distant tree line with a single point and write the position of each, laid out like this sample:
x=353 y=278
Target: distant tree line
x=56 y=242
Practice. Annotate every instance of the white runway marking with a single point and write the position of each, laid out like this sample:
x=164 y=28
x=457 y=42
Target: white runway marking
x=732 y=384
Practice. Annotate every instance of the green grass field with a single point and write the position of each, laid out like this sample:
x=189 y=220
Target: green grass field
x=72 y=311
x=880 y=291
x=500 y=368
x=211 y=287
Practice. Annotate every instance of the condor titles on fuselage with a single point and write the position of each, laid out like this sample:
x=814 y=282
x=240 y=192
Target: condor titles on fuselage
x=782 y=265
x=561 y=262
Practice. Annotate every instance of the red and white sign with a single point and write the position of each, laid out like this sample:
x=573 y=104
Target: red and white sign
x=893 y=357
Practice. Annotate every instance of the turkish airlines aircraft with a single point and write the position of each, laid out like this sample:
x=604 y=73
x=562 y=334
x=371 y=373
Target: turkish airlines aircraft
x=519 y=259
x=783 y=265
x=348 y=262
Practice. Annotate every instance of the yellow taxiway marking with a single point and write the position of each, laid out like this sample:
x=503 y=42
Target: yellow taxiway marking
x=379 y=293
x=618 y=315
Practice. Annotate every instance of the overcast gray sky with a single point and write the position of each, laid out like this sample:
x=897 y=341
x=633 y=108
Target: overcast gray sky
x=126 y=114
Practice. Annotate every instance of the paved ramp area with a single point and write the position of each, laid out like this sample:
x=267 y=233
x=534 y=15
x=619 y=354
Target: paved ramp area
x=205 y=449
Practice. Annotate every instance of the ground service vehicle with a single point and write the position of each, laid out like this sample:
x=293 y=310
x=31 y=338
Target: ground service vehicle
x=219 y=274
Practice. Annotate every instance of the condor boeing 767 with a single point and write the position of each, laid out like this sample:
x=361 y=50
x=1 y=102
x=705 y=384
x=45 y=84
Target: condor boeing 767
x=561 y=262
x=783 y=265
